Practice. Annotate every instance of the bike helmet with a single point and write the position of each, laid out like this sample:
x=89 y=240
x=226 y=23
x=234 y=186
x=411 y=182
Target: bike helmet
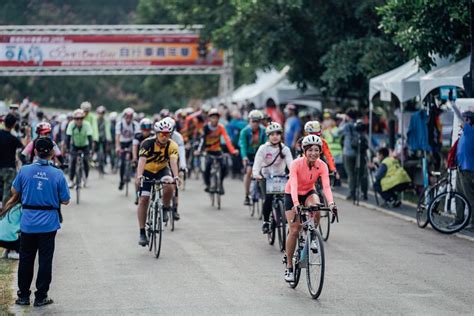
x=146 y=124
x=311 y=140
x=206 y=107
x=213 y=112
x=273 y=127
x=128 y=112
x=312 y=127
x=164 y=113
x=86 y=106
x=290 y=107
x=43 y=128
x=255 y=115
x=77 y=114
x=468 y=115
x=113 y=116
x=163 y=127
x=170 y=121
x=101 y=110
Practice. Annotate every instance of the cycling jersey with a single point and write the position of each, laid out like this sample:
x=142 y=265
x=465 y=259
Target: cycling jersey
x=249 y=141
x=28 y=151
x=211 y=139
x=79 y=135
x=178 y=139
x=268 y=164
x=157 y=155
x=139 y=138
x=303 y=178
x=126 y=131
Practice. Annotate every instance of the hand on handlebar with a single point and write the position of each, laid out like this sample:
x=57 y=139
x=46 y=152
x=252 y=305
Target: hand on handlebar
x=333 y=209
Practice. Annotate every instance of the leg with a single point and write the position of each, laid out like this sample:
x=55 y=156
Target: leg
x=224 y=172
x=28 y=249
x=207 y=172
x=45 y=252
x=72 y=167
x=8 y=178
x=247 y=179
x=363 y=177
x=267 y=207
x=349 y=166
x=313 y=199
x=11 y=245
x=122 y=165
x=294 y=230
x=86 y=163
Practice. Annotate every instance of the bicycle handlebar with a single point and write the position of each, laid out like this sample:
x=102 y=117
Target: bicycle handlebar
x=316 y=208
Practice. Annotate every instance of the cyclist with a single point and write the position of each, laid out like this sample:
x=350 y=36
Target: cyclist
x=125 y=130
x=78 y=138
x=157 y=155
x=104 y=135
x=299 y=190
x=251 y=137
x=178 y=139
x=112 y=152
x=314 y=128
x=43 y=129
x=86 y=106
x=272 y=159
x=146 y=128
x=211 y=143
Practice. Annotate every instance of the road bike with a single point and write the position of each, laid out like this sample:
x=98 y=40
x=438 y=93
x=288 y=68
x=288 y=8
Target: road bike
x=256 y=200
x=154 y=217
x=275 y=186
x=215 y=180
x=79 y=174
x=449 y=211
x=427 y=195
x=309 y=252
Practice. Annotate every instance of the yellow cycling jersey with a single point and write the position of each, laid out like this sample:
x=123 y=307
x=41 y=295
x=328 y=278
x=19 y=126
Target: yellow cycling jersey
x=157 y=155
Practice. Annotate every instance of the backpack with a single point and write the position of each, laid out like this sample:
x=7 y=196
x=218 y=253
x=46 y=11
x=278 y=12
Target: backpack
x=451 y=162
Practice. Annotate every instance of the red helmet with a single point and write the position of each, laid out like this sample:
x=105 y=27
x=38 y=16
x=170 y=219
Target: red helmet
x=43 y=128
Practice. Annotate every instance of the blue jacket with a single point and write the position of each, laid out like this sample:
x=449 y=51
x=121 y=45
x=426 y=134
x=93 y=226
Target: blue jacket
x=465 y=150
x=245 y=141
x=10 y=224
x=417 y=135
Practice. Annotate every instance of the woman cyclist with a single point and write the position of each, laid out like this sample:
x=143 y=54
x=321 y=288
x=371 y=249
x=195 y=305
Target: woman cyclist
x=304 y=172
x=271 y=159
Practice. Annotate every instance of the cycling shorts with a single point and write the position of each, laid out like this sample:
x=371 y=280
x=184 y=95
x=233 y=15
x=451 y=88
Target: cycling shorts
x=145 y=188
x=301 y=198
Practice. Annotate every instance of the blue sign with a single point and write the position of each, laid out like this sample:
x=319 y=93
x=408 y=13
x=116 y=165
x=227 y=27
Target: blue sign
x=446 y=91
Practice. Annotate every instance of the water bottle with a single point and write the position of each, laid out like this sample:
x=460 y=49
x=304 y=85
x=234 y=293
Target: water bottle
x=304 y=252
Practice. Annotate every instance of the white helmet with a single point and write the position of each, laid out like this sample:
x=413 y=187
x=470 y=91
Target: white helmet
x=128 y=111
x=170 y=121
x=206 y=107
x=113 y=116
x=255 y=115
x=86 y=106
x=311 y=140
x=146 y=123
x=312 y=127
x=78 y=113
x=163 y=127
x=273 y=127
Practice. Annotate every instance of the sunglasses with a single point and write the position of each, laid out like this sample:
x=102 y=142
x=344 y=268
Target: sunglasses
x=165 y=134
x=79 y=119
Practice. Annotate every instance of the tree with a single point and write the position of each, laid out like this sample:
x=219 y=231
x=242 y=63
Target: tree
x=423 y=28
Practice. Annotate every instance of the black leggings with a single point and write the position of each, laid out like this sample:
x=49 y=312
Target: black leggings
x=11 y=245
x=74 y=154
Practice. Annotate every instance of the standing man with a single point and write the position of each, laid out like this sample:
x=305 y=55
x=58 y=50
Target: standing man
x=292 y=127
x=41 y=188
x=349 y=154
x=9 y=145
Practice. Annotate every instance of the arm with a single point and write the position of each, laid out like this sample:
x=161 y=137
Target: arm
x=135 y=151
x=326 y=183
x=243 y=143
x=288 y=156
x=117 y=136
x=294 y=184
x=141 y=167
x=257 y=164
x=380 y=173
x=95 y=128
x=108 y=134
x=181 y=151
x=328 y=155
x=14 y=199
x=174 y=166
x=227 y=140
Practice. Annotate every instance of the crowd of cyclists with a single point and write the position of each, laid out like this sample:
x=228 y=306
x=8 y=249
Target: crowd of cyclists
x=167 y=146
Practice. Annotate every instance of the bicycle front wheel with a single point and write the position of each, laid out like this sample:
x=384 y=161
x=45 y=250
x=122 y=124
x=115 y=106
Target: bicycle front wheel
x=158 y=230
x=428 y=194
x=449 y=212
x=271 y=234
x=281 y=225
x=315 y=266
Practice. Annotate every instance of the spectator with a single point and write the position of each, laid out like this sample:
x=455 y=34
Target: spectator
x=390 y=178
x=9 y=232
x=465 y=162
x=9 y=145
x=347 y=130
x=273 y=112
x=42 y=189
x=292 y=126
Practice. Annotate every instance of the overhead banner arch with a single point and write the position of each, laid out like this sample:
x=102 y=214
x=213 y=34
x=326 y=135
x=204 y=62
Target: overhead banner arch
x=59 y=50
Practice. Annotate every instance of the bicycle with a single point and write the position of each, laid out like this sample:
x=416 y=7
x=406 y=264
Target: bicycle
x=215 y=180
x=101 y=159
x=256 y=201
x=154 y=222
x=275 y=185
x=309 y=253
x=174 y=208
x=450 y=211
x=79 y=174
x=324 y=219
x=427 y=195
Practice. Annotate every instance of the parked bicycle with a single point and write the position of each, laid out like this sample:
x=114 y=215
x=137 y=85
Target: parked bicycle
x=427 y=195
x=309 y=253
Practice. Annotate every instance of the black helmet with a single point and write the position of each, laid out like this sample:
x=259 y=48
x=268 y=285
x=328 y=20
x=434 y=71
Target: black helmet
x=360 y=126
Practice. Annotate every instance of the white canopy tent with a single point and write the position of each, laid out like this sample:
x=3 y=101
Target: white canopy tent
x=450 y=75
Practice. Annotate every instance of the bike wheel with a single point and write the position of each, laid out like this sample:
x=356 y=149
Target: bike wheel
x=171 y=216
x=272 y=233
x=218 y=190
x=281 y=226
x=296 y=269
x=315 y=265
x=78 y=181
x=150 y=224
x=324 y=220
x=428 y=194
x=449 y=212
x=127 y=176
x=158 y=228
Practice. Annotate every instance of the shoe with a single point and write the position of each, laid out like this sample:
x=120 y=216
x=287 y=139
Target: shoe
x=266 y=227
x=121 y=186
x=289 y=275
x=143 y=240
x=397 y=203
x=84 y=183
x=13 y=255
x=5 y=254
x=43 y=302
x=70 y=184
x=176 y=216
x=136 y=200
x=221 y=190
x=349 y=197
x=24 y=301
x=247 y=200
x=365 y=197
x=165 y=215
x=206 y=189
x=314 y=246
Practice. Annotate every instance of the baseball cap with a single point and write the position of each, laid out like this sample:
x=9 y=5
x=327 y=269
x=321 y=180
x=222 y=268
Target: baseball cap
x=44 y=145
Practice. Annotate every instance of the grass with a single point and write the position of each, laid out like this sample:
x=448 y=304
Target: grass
x=6 y=276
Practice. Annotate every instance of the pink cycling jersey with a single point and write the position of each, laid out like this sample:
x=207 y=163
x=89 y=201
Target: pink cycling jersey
x=29 y=150
x=303 y=178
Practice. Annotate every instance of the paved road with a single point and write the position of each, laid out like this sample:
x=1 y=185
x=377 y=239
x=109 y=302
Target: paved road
x=218 y=262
